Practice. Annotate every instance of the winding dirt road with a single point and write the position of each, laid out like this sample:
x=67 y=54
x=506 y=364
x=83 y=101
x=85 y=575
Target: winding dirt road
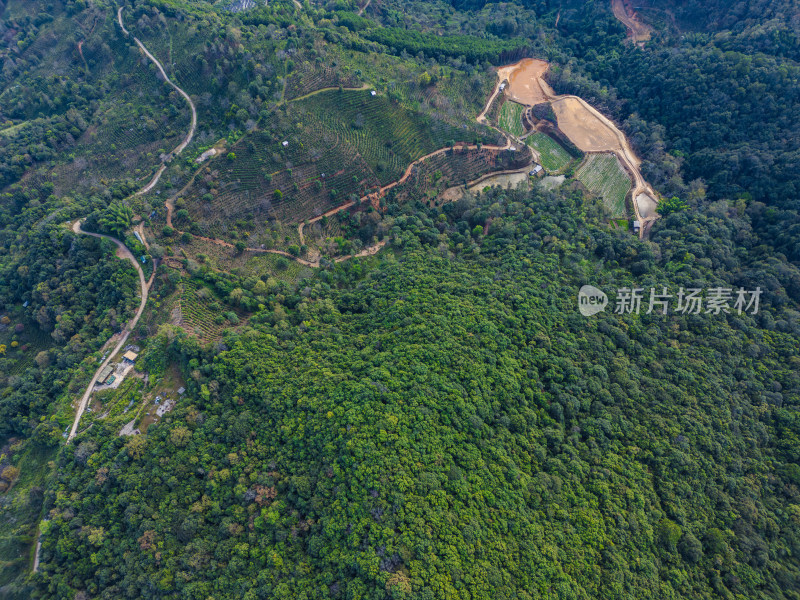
x=638 y=32
x=375 y=196
x=193 y=125
x=122 y=252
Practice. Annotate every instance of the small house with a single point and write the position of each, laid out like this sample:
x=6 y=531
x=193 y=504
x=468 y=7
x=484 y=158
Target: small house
x=502 y=86
x=181 y=391
x=284 y=143
x=373 y=93
x=537 y=171
x=636 y=226
x=129 y=357
x=105 y=372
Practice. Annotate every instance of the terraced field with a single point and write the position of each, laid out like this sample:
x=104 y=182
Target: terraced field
x=317 y=153
x=129 y=130
x=603 y=175
x=434 y=176
x=554 y=157
x=386 y=134
x=205 y=315
x=308 y=77
x=511 y=118
x=31 y=341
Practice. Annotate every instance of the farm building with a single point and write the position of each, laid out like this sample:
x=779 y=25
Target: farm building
x=537 y=171
x=373 y=93
x=104 y=374
x=636 y=226
x=129 y=356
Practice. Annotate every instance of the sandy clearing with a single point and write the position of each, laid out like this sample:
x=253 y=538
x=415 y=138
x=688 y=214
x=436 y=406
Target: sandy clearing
x=551 y=182
x=583 y=127
x=646 y=205
x=525 y=81
x=503 y=180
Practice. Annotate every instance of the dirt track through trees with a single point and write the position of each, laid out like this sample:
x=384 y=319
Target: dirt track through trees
x=122 y=252
x=192 y=126
x=638 y=32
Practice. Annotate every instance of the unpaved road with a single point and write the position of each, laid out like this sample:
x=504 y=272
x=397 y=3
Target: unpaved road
x=363 y=86
x=193 y=125
x=375 y=196
x=122 y=252
x=638 y=32
x=481 y=118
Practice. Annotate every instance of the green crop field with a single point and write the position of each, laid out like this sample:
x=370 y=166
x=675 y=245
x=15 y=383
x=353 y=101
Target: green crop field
x=554 y=157
x=603 y=175
x=204 y=314
x=511 y=118
x=386 y=134
x=339 y=146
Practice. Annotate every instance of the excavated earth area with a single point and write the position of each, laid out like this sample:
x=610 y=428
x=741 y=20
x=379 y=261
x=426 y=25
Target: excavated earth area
x=585 y=126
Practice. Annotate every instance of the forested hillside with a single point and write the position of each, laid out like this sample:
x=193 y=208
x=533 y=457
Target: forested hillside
x=447 y=425
x=359 y=371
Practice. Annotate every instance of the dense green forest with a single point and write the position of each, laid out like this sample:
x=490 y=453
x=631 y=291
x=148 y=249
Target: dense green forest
x=435 y=420
x=446 y=424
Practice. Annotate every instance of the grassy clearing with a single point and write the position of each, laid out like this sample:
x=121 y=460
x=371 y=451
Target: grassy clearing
x=603 y=175
x=554 y=157
x=511 y=118
x=13 y=129
x=279 y=267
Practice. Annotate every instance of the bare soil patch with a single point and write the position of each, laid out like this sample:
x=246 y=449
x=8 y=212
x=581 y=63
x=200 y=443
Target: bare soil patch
x=525 y=81
x=584 y=127
x=646 y=205
x=504 y=181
